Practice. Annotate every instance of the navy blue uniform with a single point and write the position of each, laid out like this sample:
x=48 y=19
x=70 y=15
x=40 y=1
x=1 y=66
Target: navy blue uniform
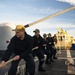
x=55 y=40
x=23 y=49
x=45 y=48
x=46 y=51
x=38 y=52
x=52 y=46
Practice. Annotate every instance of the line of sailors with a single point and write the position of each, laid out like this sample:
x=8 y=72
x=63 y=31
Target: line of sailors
x=45 y=45
x=26 y=47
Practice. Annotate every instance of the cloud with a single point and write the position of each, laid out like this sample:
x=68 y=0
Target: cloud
x=47 y=10
x=72 y=2
x=41 y=10
x=71 y=32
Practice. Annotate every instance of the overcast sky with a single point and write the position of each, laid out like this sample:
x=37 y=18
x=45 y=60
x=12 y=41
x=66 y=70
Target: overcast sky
x=27 y=11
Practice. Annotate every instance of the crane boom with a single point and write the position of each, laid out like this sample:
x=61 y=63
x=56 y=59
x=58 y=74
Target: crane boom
x=50 y=16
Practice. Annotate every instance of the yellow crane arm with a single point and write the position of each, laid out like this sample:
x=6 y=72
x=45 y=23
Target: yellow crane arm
x=50 y=16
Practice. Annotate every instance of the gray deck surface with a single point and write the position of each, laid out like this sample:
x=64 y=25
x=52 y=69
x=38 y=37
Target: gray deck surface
x=58 y=67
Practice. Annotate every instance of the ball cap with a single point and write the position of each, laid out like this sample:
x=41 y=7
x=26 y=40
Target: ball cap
x=19 y=28
x=36 y=30
x=44 y=35
x=49 y=33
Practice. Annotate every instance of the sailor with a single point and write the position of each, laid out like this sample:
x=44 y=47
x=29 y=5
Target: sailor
x=46 y=49
x=51 y=44
x=21 y=45
x=37 y=50
x=54 y=48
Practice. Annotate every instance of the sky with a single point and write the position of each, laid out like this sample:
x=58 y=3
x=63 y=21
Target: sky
x=27 y=11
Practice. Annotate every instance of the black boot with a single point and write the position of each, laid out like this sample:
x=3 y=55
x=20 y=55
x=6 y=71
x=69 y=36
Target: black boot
x=54 y=57
x=51 y=60
x=47 y=62
x=41 y=69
